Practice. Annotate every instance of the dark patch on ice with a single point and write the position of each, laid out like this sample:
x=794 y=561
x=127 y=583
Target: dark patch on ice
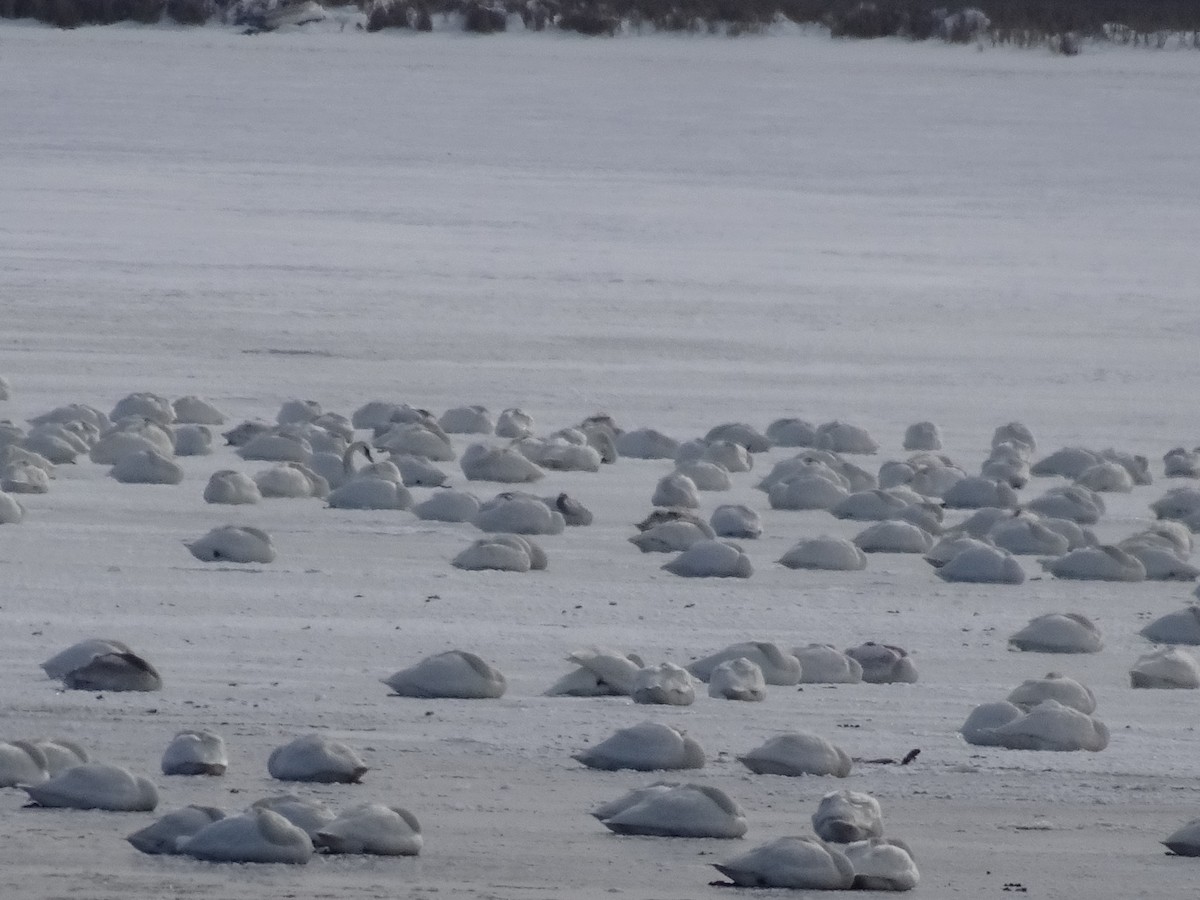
x=287 y=351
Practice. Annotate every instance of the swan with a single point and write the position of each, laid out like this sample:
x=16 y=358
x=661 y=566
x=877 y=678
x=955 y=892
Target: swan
x=1136 y=465
x=675 y=490
x=825 y=552
x=195 y=753
x=147 y=467
x=291 y=480
x=1185 y=841
x=448 y=506
x=480 y=462
x=983 y=565
x=1054 y=686
x=806 y=491
x=372 y=828
x=455 y=674
x=74 y=412
x=813 y=462
x=792 y=432
x=255 y=836
x=415 y=471
x=1181 y=463
x=1073 y=502
x=561 y=454
x=737 y=679
x=467 y=420
x=665 y=684
x=707 y=476
x=5 y=389
x=646 y=443
x=1180 y=627
x=798 y=753
x=646 y=747
x=235 y=544
x=242 y=433
x=517 y=513
x=22 y=763
x=601 y=673
x=130 y=437
x=670 y=537
x=922 y=436
x=501 y=552
x=884 y=663
x=711 y=559
x=951 y=546
x=276 y=446
x=980 y=727
x=1106 y=476
x=315 y=757
x=1068 y=462
x=1015 y=433
x=799 y=863
x=146 y=405
x=1052 y=726
x=777 y=667
x=162 y=837
x=1169 y=667
x=97 y=664
x=1007 y=465
x=688 y=811
x=11 y=512
x=514 y=423
x=740 y=433
x=1162 y=559
x=193 y=440
x=297 y=411
x=825 y=664
x=734 y=520
x=574 y=513
x=1103 y=563
x=1028 y=535
x=59 y=753
x=894 y=536
x=95 y=786
x=840 y=437
x=978 y=492
x=231 y=487
x=728 y=455
x=56 y=442
x=882 y=865
x=868 y=506
x=195 y=410
x=1059 y=633
x=935 y=480
x=370 y=492
x=19 y=476
x=375 y=414
x=843 y=817
x=310 y=816
x=418 y=439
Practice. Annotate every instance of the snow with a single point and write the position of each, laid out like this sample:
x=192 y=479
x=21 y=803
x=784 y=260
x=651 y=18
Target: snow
x=681 y=231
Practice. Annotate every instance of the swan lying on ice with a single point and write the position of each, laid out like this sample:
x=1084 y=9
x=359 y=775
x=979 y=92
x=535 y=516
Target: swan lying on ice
x=196 y=411
x=894 y=536
x=1052 y=726
x=11 y=512
x=310 y=816
x=467 y=420
x=736 y=521
x=502 y=552
x=844 y=817
x=799 y=863
x=825 y=552
x=1103 y=563
x=777 y=667
x=517 y=513
x=22 y=763
x=646 y=443
x=514 y=423
x=664 y=684
x=98 y=664
x=235 y=544
x=372 y=828
x=825 y=664
x=711 y=559
x=483 y=463
x=95 y=786
x=646 y=747
x=687 y=811
x=675 y=490
x=231 y=487
x=255 y=836
x=1169 y=667
x=983 y=565
x=884 y=663
x=737 y=679
x=601 y=673
x=1055 y=686
x=922 y=436
x=448 y=506
x=19 y=476
x=1180 y=627
x=195 y=753
x=315 y=757
x=163 y=836
x=671 y=537
x=882 y=865
x=798 y=753
x=1185 y=841
x=291 y=480
x=454 y=674
x=1059 y=633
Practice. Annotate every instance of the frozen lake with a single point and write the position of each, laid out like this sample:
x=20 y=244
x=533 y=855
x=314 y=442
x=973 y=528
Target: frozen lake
x=677 y=231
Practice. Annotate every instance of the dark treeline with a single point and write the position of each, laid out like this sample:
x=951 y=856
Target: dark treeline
x=1061 y=24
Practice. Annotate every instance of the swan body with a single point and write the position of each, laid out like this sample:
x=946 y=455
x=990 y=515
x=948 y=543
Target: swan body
x=372 y=828
x=97 y=664
x=291 y=480
x=665 y=684
x=737 y=679
x=894 y=536
x=448 y=506
x=59 y=753
x=980 y=727
x=1169 y=667
x=777 y=667
x=310 y=816
x=825 y=552
x=415 y=471
x=868 y=506
x=1026 y=535
x=1185 y=841
x=884 y=663
x=483 y=463
x=1068 y=462
x=560 y=454
x=736 y=521
x=22 y=763
x=675 y=490
x=454 y=674
x=840 y=437
x=163 y=836
x=978 y=492
x=806 y=491
x=315 y=757
x=670 y=537
x=1180 y=627
x=417 y=439
x=1106 y=476
x=255 y=836
x=740 y=433
x=234 y=543
x=798 y=753
x=728 y=455
x=706 y=476
x=95 y=786
x=983 y=565
x=195 y=753
x=922 y=436
x=825 y=664
x=1059 y=633
x=711 y=559
x=843 y=817
x=11 y=512
x=18 y=476
x=196 y=411
x=467 y=420
x=646 y=443
x=951 y=546
x=514 y=423
x=1053 y=726
x=276 y=446
x=501 y=552
x=1103 y=563
x=193 y=440
x=1054 y=686
x=231 y=487
x=519 y=514
x=601 y=672
x=370 y=492
x=792 y=432
x=882 y=865
x=646 y=747
x=798 y=863
x=687 y=811
x=1073 y=502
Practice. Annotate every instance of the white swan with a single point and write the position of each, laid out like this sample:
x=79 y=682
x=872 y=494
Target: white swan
x=467 y=420
x=517 y=513
x=11 y=512
x=843 y=817
x=162 y=837
x=291 y=480
x=1073 y=502
x=372 y=828
x=417 y=439
x=1185 y=840
x=1015 y=433
x=501 y=552
x=448 y=506
x=980 y=727
x=671 y=537
x=646 y=747
x=675 y=490
x=56 y=442
x=309 y=815
x=884 y=663
x=315 y=757
x=868 y=506
x=777 y=666
x=1059 y=633
x=707 y=476
x=480 y=462
x=601 y=673
x=882 y=865
x=193 y=440
x=455 y=674
x=646 y=443
x=276 y=446
x=1052 y=726
x=1169 y=667
x=894 y=536
x=983 y=565
x=146 y=405
x=560 y=454
x=197 y=411
x=799 y=863
x=95 y=786
x=978 y=492
x=728 y=455
x=514 y=423
x=813 y=462
x=711 y=559
x=130 y=437
x=806 y=491
x=740 y=433
x=1055 y=686
x=574 y=513
x=1069 y=462
x=1162 y=560
x=1028 y=535
x=415 y=471
x=22 y=763
x=825 y=552
x=825 y=664
x=1180 y=462
x=370 y=492
x=256 y=836
x=97 y=664
x=687 y=811
x=234 y=543
x=951 y=546
x=922 y=436
x=59 y=753
x=231 y=487
x=195 y=753
x=735 y=520
x=841 y=437
x=792 y=432
x=798 y=753
x=1103 y=563
x=147 y=467
x=1106 y=476
x=737 y=679
x=1180 y=627
x=19 y=476
x=665 y=684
